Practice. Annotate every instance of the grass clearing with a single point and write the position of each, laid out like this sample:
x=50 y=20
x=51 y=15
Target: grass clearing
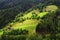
x=51 y=8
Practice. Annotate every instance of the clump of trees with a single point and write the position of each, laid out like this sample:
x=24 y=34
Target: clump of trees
x=19 y=18
x=13 y=37
x=16 y=32
x=34 y=15
x=49 y=25
x=31 y=37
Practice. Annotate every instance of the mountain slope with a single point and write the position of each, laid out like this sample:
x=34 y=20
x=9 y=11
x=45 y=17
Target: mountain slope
x=28 y=24
x=10 y=8
x=28 y=21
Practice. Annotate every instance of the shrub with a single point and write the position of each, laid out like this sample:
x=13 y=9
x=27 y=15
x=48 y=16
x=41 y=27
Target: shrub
x=16 y=32
x=12 y=37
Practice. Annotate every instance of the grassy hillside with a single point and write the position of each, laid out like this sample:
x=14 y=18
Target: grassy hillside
x=27 y=24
